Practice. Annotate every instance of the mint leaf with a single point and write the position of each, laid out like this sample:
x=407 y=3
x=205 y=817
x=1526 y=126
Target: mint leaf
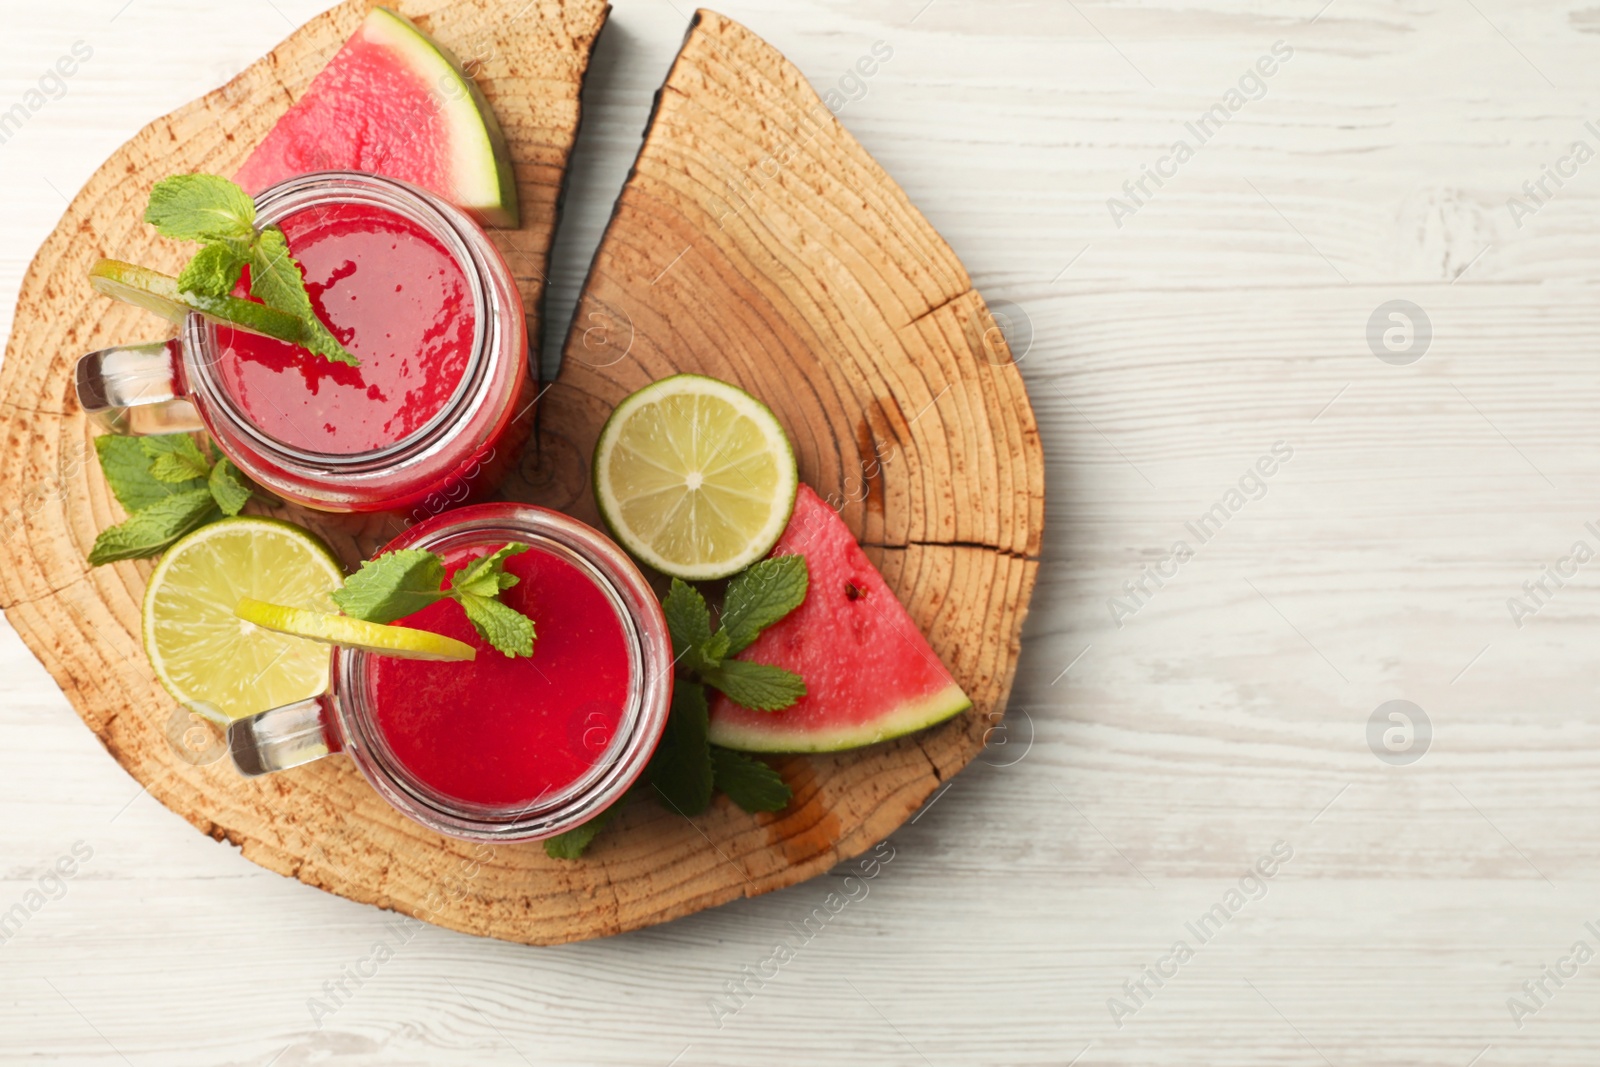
x=748 y=782
x=504 y=627
x=127 y=469
x=200 y=207
x=214 y=270
x=152 y=528
x=694 y=647
x=392 y=586
x=476 y=586
x=229 y=487
x=688 y=618
x=487 y=576
x=275 y=278
x=175 y=444
x=175 y=458
x=681 y=768
x=571 y=845
x=176 y=470
x=710 y=653
x=760 y=596
x=757 y=686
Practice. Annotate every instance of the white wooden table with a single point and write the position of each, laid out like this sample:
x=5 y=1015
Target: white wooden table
x=1161 y=744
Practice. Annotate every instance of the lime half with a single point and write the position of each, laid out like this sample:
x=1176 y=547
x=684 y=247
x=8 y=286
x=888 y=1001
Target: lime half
x=159 y=293
x=402 y=642
x=201 y=651
x=695 y=477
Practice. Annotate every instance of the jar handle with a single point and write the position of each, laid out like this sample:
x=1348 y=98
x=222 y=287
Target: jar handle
x=133 y=389
x=279 y=738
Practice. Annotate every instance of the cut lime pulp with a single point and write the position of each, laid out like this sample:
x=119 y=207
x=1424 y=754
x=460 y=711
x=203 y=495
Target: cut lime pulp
x=695 y=477
x=205 y=655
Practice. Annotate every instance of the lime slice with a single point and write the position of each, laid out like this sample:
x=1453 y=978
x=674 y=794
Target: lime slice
x=201 y=652
x=159 y=293
x=401 y=642
x=695 y=477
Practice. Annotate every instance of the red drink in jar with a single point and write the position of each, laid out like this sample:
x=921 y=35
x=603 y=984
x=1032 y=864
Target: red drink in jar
x=502 y=730
x=496 y=748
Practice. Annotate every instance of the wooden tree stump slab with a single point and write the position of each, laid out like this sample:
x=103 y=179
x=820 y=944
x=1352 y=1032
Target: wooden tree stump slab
x=756 y=241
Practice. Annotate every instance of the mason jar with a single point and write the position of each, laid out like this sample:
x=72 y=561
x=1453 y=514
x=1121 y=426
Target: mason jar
x=440 y=405
x=442 y=744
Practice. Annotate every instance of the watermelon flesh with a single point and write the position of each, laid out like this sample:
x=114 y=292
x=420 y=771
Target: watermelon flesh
x=393 y=102
x=870 y=674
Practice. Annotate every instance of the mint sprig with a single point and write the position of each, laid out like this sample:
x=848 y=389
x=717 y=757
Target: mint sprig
x=756 y=598
x=407 y=580
x=168 y=486
x=221 y=216
x=686 y=767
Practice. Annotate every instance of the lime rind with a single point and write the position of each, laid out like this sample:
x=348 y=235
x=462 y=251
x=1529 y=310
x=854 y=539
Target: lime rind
x=401 y=642
x=695 y=477
x=159 y=293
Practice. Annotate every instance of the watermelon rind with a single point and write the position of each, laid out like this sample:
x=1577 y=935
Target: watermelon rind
x=909 y=717
x=480 y=163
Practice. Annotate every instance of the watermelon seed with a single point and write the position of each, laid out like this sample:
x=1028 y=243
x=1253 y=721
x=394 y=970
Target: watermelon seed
x=852 y=592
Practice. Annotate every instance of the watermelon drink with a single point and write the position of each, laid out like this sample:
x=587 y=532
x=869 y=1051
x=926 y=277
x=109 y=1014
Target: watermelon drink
x=401 y=303
x=500 y=730
x=498 y=748
x=413 y=288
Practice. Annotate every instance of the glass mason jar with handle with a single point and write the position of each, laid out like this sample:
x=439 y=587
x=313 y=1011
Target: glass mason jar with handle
x=439 y=404
x=497 y=749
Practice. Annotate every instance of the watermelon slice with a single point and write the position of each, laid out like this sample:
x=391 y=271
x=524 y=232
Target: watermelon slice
x=870 y=674
x=393 y=102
